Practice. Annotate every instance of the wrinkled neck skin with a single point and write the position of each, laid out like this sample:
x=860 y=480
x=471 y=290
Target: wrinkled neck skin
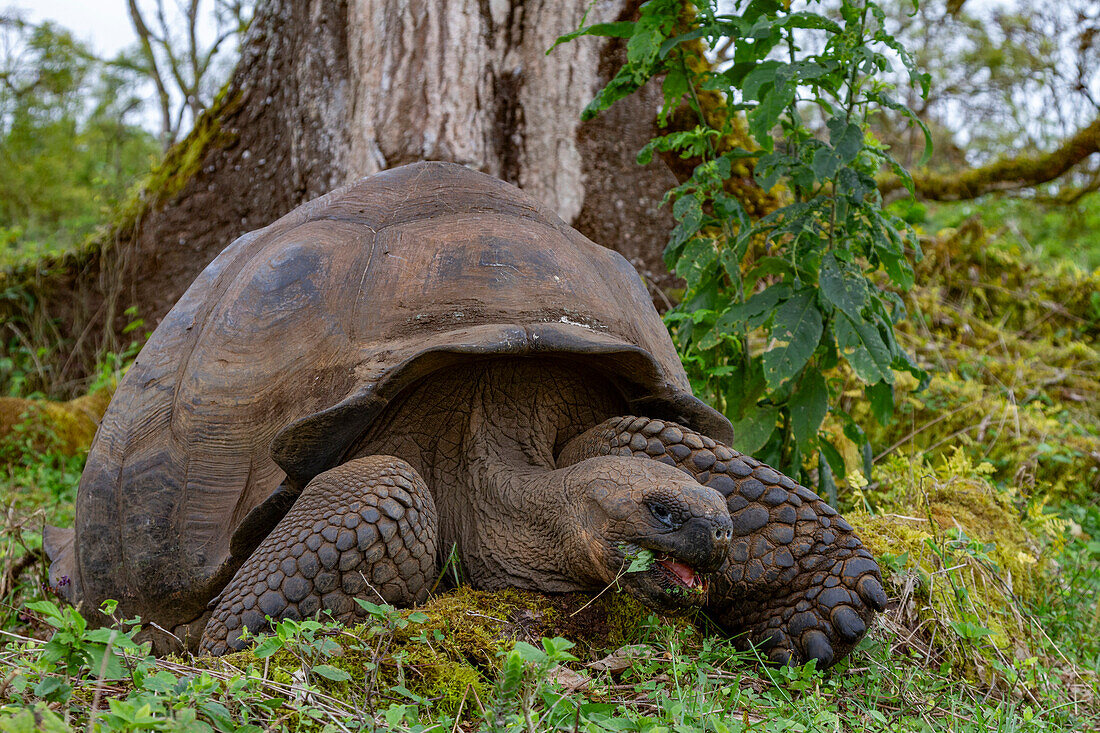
x=484 y=437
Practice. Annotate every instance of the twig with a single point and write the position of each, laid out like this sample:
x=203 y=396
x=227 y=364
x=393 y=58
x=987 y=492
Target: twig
x=614 y=583
x=919 y=430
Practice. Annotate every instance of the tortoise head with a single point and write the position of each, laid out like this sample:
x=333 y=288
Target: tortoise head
x=649 y=528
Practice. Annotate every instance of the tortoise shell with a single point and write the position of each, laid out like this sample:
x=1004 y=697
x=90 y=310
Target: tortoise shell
x=288 y=345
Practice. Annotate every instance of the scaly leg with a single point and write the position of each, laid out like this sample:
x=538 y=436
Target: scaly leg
x=797 y=582
x=368 y=522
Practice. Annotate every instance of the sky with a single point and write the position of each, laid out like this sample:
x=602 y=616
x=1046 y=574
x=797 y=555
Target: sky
x=103 y=24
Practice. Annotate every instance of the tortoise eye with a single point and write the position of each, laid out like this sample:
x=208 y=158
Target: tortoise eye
x=662 y=513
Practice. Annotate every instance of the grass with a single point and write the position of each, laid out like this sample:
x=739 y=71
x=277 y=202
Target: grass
x=674 y=678
x=1069 y=608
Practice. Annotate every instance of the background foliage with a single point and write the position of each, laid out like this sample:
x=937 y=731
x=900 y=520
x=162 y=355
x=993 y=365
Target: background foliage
x=70 y=143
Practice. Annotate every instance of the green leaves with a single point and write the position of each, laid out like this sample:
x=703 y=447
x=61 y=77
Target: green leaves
x=756 y=311
x=861 y=344
x=844 y=286
x=797 y=329
x=330 y=673
x=970 y=630
x=753 y=430
x=762 y=76
x=268 y=646
x=811 y=21
x=526 y=669
x=641 y=561
x=74 y=646
x=688 y=211
x=696 y=260
x=845 y=143
x=766 y=114
x=620 y=29
x=645 y=50
x=774 y=305
x=809 y=404
x=881 y=397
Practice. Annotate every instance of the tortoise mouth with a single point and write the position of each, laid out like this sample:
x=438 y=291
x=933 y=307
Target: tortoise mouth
x=670 y=583
x=681 y=575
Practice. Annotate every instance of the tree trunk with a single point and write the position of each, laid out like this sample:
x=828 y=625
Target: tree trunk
x=326 y=92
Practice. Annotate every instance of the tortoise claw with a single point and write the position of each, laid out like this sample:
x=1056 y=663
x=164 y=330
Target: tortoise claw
x=776 y=639
x=780 y=656
x=870 y=590
x=826 y=623
x=848 y=623
x=815 y=645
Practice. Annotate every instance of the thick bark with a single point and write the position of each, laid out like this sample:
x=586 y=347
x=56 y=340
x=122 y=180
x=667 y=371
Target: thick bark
x=326 y=92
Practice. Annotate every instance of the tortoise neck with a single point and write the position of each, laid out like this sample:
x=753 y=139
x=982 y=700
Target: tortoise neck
x=484 y=437
x=512 y=515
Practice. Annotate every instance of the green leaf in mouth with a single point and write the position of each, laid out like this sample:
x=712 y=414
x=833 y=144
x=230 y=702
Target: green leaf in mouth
x=640 y=561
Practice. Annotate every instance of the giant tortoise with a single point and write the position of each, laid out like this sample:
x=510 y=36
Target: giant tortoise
x=430 y=362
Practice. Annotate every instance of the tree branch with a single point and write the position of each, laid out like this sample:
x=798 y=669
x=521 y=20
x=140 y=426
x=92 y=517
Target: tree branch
x=1072 y=195
x=146 y=38
x=1022 y=171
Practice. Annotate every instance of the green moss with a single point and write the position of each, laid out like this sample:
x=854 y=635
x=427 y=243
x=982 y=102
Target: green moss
x=1027 y=408
x=625 y=616
x=454 y=653
x=1011 y=346
x=31 y=427
x=963 y=561
x=184 y=160
x=995 y=281
x=431 y=673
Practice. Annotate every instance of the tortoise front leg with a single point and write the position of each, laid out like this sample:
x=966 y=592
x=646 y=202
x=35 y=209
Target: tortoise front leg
x=797 y=582
x=369 y=522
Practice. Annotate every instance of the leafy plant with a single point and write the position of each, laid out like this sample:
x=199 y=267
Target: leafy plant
x=640 y=561
x=525 y=673
x=777 y=301
x=302 y=640
x=670 y=677
x=75 y=650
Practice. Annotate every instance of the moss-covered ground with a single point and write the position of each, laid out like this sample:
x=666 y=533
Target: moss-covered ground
x=982 y=508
